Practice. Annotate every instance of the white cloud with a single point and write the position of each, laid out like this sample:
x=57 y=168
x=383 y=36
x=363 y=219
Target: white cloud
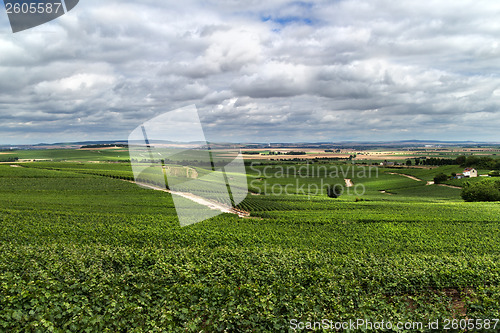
x=78 y=85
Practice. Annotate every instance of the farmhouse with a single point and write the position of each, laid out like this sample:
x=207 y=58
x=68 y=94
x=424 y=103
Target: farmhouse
x=470 y=172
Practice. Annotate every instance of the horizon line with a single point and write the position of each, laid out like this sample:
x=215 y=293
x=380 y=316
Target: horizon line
x=409 y=141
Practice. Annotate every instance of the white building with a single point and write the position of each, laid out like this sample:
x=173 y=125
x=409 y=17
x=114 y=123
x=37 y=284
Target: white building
x=470 y=172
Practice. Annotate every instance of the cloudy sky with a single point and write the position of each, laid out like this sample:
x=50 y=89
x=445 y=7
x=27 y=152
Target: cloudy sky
x=258 y=70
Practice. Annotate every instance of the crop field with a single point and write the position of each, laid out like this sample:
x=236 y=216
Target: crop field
x=84 y=249
x=70 y=154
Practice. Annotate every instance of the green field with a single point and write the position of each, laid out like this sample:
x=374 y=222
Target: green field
x=70 y=154
x=83 y=250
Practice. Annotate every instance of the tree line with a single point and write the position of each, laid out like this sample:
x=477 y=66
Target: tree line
x=478 y=162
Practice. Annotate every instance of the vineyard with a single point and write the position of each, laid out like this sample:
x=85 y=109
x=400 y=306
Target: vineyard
x=84 y=249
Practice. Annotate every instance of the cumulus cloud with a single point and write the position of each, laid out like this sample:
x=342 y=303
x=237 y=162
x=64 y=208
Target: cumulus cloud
x=270 y=70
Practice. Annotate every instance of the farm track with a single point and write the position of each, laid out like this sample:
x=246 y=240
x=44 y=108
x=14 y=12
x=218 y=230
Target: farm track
x=407 y=176
x=199 y=200
x=450 y=186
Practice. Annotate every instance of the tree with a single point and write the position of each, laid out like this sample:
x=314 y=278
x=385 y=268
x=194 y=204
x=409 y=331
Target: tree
x=460 y=160
x=440 y=178
x=484 y=190
x=334 y=191
x=481 y=162
x=408 y=162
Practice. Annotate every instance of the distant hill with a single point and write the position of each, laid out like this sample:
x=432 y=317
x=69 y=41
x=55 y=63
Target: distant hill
x=275 y=145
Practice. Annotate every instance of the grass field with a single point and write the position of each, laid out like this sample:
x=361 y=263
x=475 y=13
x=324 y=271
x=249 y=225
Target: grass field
x=83 y=250
x=70 y=154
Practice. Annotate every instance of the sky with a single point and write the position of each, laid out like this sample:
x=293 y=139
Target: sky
x=258 y=71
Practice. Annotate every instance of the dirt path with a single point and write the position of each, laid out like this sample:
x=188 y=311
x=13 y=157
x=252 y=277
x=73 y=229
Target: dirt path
x=348 y=183
x=407 y=176
x=445 y=185
x=202 y=201
x=450 y=186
